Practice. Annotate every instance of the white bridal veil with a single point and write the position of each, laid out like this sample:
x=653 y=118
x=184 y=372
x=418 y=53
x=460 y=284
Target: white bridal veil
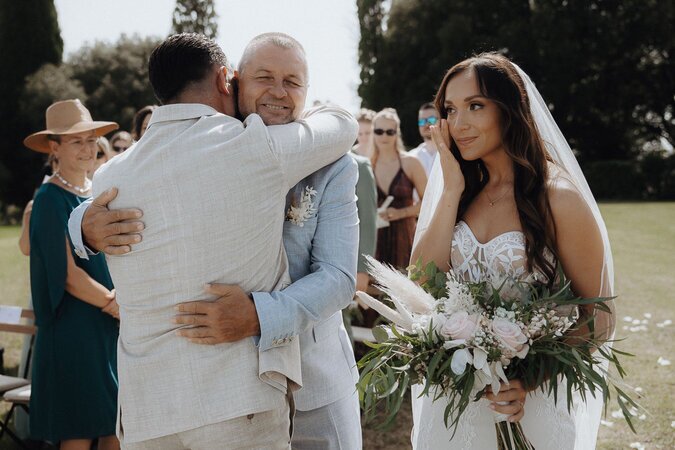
x=587 y=414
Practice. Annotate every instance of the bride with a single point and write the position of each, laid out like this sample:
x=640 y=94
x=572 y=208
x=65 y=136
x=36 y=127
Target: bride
x=509 y=196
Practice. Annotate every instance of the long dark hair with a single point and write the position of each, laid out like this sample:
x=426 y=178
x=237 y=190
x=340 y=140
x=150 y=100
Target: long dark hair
x=499 y=81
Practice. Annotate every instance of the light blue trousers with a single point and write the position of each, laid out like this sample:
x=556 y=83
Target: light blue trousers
x=332 y=427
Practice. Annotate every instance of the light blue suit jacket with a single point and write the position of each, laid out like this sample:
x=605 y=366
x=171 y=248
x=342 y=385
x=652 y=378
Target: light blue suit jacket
x=322 y=256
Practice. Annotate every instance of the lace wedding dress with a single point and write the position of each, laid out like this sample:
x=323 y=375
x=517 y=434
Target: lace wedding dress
x=547 y=424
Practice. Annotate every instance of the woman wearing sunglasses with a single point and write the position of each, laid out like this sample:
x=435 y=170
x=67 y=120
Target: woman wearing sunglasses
x=397 y=175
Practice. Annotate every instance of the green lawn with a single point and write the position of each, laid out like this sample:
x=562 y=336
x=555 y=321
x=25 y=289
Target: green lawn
x=14 y=281
x=643 y=244
x=643 y=241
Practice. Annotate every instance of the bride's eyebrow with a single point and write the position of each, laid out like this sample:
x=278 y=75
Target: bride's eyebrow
x=473 y=97
x=467 y=99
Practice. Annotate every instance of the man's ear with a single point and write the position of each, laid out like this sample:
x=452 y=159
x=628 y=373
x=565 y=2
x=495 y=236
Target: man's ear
x=222 y=82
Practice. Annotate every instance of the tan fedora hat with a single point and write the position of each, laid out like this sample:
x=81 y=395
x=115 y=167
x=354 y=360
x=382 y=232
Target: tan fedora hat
x=67 y=117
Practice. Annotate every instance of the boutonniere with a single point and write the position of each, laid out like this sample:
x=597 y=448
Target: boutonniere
x=297 y=215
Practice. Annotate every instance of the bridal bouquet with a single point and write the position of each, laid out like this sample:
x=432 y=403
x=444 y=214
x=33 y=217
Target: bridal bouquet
x=457 y=338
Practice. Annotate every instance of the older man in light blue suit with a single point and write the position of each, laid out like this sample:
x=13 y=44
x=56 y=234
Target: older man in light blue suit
x=322 y=254
x=321 y=237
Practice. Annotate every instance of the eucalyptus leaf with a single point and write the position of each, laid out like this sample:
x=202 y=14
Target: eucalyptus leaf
x=380 y=334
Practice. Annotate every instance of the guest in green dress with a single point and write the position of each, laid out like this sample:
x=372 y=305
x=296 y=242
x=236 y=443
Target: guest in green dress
x=74 y=381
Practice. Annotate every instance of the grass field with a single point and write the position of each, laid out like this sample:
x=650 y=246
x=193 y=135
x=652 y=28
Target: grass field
x=643 y=241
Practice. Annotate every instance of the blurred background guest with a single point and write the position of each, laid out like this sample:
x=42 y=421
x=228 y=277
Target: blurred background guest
x=103 y=154
x=366 y=203
x=119 y=142
x=365 y=119
x=74 y=377
x=397 y=175
x=24 y=239
x=141 y=120
x=426 y=151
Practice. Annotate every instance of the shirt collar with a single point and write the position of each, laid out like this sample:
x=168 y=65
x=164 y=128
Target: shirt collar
x=180 y=111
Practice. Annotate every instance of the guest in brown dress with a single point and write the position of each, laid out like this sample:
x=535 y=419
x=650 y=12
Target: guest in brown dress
x=397 y=174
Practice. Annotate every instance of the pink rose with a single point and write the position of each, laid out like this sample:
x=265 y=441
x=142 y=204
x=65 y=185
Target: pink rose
x=459 y=325
x=509 y=333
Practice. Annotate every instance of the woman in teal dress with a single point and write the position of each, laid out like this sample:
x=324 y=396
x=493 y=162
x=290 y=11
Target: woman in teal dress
x=74 y=381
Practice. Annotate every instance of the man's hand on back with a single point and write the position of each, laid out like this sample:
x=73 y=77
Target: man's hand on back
x=112 y=232
x=230 y=318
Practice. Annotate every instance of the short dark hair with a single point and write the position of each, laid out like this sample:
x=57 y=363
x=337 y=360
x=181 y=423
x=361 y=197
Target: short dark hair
x=428 y=105
x=180 y=60
x=139 y=117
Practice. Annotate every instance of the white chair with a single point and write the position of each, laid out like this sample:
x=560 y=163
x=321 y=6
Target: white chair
x=16 y=390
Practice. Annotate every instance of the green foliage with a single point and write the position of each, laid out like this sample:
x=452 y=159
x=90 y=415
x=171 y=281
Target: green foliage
x=29 y=38
x=371 y=15
x=650 y=177
x=48 y=85
x=604 y=67
x=658 y=171
x=401 y=358
x=429 y=277
x=195 y=16
x=111 y=79
x=668 y=181
x=614 y=179
x=115 y=77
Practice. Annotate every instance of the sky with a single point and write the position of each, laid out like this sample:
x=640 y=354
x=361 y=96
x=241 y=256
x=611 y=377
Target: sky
x=328 y=29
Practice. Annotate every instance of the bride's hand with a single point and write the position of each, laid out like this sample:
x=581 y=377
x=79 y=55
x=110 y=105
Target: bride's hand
x=452 y=174
x=512 y=398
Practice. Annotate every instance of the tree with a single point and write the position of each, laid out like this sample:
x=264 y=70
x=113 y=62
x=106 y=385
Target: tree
x=29 y=38
x=371 y=15
x=110 y=79
x=115 y=77
x=195 y=16
x=605 y=68
x=48 y=85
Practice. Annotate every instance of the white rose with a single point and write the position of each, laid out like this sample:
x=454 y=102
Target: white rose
x=509 y=333
x=459 y=325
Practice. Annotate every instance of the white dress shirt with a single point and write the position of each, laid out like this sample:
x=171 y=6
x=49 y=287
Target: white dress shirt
x=426 y=155
x=212 y=191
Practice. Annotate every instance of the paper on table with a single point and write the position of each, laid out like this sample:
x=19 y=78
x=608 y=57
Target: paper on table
x=381 y=223
x=10 y=314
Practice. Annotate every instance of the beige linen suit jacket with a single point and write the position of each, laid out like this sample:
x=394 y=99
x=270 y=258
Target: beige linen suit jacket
x=212 y=190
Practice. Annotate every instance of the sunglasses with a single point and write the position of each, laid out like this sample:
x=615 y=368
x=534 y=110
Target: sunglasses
x=380 y=132
x=429 y=120
x=119 y=148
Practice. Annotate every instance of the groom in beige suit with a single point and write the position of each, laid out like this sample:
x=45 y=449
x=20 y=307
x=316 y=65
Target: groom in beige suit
x=212 y=190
